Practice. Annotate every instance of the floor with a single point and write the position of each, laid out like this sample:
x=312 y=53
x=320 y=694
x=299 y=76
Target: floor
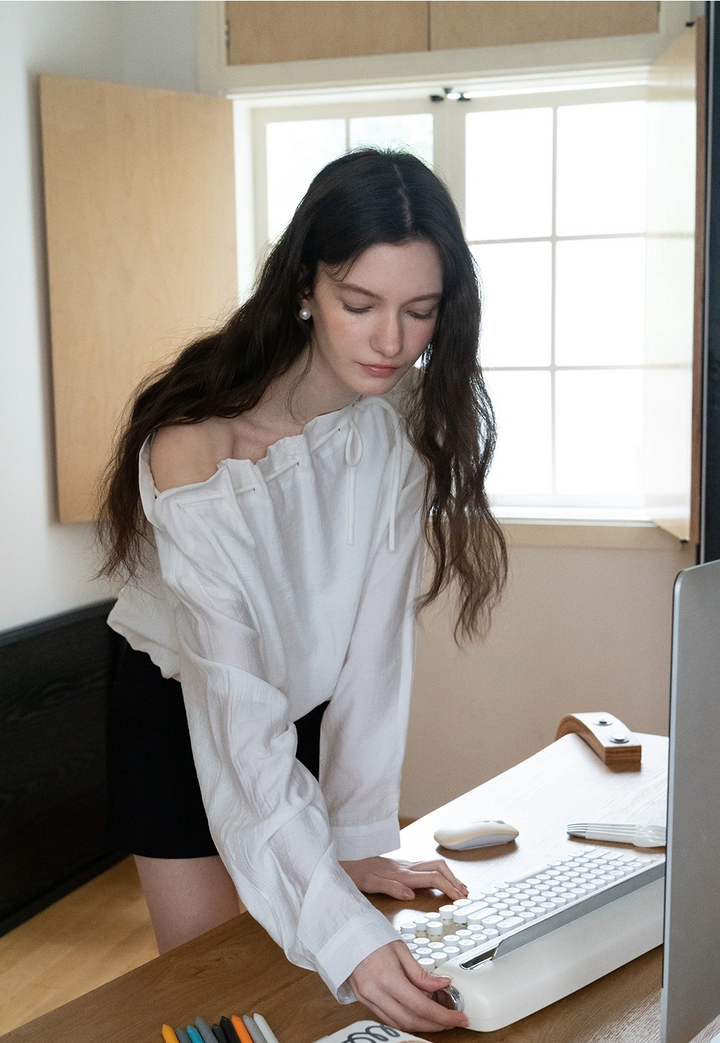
x=87 y=938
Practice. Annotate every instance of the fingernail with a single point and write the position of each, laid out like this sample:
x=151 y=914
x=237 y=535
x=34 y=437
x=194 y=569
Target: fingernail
x=409 y=894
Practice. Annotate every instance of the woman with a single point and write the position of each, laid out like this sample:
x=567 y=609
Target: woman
x=288 y=466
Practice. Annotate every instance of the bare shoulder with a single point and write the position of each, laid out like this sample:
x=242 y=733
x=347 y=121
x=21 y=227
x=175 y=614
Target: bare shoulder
x=183 y=454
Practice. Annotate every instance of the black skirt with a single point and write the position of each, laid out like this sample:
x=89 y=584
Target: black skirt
x=154 y=803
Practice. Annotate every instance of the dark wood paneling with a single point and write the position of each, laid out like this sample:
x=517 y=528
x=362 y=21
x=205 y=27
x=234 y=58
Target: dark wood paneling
x=54 y=680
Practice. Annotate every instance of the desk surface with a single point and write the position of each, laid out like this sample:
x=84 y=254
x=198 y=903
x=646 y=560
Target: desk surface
x=236 y=969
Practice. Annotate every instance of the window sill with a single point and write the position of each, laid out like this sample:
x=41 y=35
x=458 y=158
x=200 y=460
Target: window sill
x=619 y=534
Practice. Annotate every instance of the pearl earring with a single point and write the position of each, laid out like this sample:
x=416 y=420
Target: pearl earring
x=305 y=313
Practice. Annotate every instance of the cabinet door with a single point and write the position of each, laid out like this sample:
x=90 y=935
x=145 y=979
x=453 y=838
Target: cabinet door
x=485 y=23
x=141 y=237
x=301 y=31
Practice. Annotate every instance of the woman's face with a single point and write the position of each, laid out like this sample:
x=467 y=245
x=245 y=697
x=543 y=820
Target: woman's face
x=372 y=325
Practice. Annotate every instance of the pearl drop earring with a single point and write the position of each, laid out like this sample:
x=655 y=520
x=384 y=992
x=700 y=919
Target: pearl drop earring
x=305 y=313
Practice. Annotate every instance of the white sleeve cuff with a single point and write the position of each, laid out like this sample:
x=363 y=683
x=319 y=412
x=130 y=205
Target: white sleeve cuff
x=355 y=842
x=357 y=939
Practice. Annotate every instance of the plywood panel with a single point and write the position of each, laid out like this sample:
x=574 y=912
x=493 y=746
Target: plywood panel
x=483 y=23
x=140 y=203
x=289 y=32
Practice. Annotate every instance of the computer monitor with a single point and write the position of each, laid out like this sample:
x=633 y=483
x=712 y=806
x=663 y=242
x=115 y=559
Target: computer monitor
x=691 y=963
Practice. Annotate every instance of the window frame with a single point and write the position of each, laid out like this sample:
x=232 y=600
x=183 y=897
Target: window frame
x=449 y=161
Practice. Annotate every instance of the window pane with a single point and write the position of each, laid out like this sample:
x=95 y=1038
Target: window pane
x=600 y=302
x=523 y=458
x=295 y=152
x=517 y=299
x=599 y=428
x=668 y=429
x=414 y=133
x=601 y=158
x=509 y=174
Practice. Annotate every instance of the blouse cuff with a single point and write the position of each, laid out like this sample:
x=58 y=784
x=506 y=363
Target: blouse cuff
x=355 y=842
x=339 y=957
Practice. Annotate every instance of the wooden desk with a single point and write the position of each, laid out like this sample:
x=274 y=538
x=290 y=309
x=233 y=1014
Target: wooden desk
x=236 y=969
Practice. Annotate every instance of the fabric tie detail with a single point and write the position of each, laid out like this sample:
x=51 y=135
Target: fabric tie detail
x=353 y=456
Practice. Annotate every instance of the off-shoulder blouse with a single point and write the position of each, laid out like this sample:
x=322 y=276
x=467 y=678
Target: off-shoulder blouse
x=279 y=586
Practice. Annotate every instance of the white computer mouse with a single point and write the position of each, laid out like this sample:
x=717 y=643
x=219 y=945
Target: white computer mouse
x=461 y=836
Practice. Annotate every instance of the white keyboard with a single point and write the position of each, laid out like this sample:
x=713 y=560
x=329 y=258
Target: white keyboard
x=500 y=919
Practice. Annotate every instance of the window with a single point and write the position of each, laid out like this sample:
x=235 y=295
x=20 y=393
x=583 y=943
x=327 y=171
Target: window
x=591 y=390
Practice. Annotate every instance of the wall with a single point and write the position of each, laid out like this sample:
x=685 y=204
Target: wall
x=46 y=568
x=579 y=628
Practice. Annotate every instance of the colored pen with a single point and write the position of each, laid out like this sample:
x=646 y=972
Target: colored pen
x=168 y=1034
x=193 y=1034
x=265 y=1028
x=230 y=1031
x=205 y=1031
x=219 y=1034
x=255 y=1033
x=240 y=1031
x=182 y=1035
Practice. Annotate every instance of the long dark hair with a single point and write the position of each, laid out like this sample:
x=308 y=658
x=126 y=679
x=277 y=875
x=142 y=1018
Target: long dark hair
x=362 y=199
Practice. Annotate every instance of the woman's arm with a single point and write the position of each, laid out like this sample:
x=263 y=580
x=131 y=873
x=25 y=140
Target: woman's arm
x=265 y=810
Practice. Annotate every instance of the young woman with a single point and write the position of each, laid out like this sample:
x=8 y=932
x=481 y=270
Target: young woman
x=288 y=466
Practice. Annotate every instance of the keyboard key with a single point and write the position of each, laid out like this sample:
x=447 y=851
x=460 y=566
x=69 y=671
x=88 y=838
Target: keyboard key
x=510 y=922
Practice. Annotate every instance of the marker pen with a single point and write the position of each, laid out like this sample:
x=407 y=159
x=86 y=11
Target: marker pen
x=255 y=1033
x=205 y=1031
x=230 y=1031
x=265 y=1028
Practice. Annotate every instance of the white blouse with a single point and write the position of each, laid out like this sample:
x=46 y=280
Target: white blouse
x=281 y=585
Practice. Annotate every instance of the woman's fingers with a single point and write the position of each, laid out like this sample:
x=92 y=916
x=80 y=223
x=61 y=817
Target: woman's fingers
x=399 y=879
x=390 y=982
x=432 y=874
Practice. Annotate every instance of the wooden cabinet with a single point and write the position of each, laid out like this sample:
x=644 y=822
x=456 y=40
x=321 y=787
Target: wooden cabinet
x=485 y=23
x=290 y=32
x=260 y=32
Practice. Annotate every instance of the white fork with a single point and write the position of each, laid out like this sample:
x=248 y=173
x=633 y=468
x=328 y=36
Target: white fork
x=638 y=836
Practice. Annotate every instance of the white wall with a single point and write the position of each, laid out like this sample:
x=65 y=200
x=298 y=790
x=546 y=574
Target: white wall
x=579 y=629
x=46 y=568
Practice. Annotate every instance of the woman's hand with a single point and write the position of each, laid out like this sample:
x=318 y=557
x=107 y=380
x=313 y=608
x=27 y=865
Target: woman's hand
x=386 y=876
x=391 y=984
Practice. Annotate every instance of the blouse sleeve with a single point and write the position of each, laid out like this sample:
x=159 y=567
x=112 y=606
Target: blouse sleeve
x=364 y=727
x=265 y=810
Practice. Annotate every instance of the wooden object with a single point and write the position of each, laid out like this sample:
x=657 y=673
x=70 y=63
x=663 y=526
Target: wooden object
x=140 y=206
x=55 y=676
x=614 y=744
x=237 y=969
x=296 y=31
x=98 y=932
x=259 y=31
x=486 y=23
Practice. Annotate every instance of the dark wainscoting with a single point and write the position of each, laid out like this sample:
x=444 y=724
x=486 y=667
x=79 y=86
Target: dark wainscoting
x=54 y=681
